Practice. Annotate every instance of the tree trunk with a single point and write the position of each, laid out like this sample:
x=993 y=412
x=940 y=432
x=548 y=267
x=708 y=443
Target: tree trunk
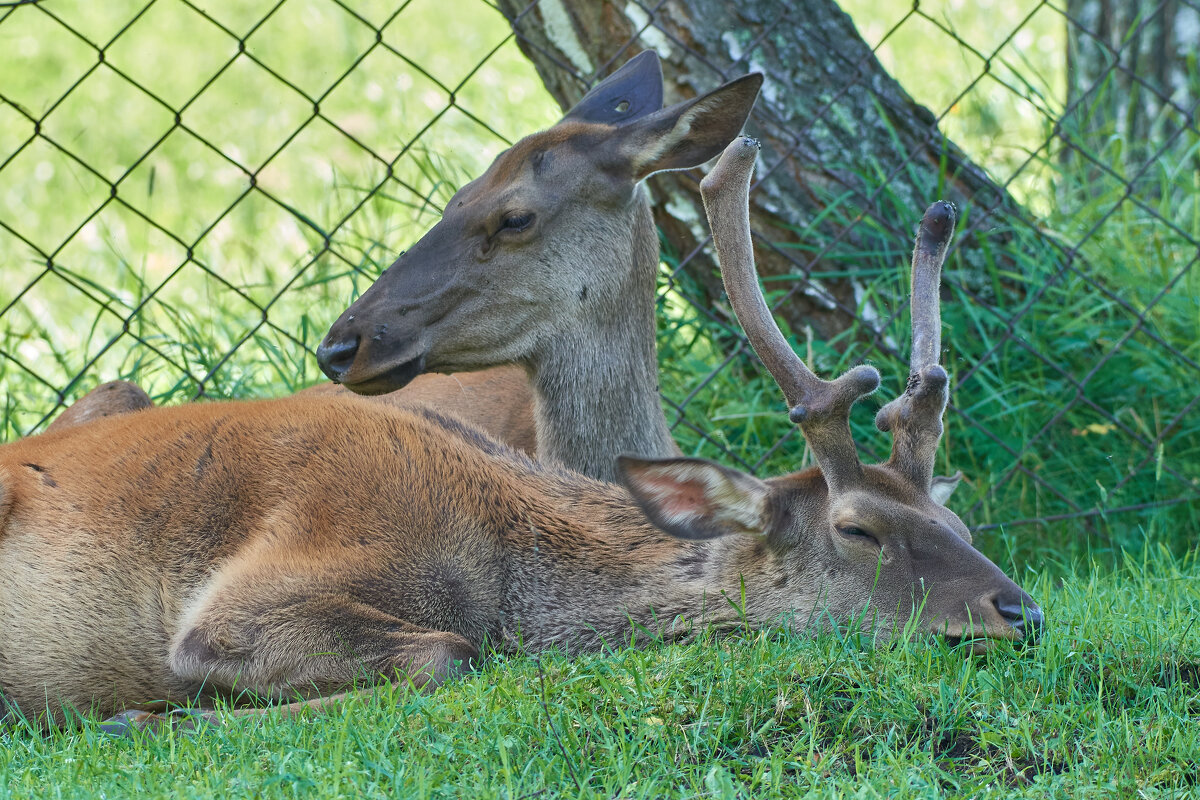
x=1132 y=81
x=851 y=160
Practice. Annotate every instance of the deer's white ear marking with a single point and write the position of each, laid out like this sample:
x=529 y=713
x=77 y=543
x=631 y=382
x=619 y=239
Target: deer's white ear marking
x=653 y=155
x=943 y=486
x=687 y=134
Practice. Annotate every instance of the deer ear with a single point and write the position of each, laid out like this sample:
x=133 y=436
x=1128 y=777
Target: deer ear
x=943 y=486
x=696 y=499
x=687 y=134
x=630 y=93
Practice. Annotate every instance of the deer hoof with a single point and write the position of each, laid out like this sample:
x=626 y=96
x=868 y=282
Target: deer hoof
x=180 y=720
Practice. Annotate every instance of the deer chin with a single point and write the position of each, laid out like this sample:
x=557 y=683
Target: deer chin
x=977 y=642
x=974 y=645
x=389 y=379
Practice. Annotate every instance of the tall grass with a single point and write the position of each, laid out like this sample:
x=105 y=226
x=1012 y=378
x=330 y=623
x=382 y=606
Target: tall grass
x=212 y=226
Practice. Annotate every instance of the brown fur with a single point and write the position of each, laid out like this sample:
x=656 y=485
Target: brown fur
x=497 y=401
x=295 y=546
x=570 y=296
x=107 y=399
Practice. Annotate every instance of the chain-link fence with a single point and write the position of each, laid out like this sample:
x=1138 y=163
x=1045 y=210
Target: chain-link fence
x=191 y=192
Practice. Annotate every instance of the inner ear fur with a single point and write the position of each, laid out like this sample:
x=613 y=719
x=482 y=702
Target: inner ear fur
x=942 y=486
x=687 y=134
x=692 y=498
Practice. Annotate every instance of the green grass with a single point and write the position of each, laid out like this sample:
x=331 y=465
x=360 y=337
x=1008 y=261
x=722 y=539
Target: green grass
x=1106 y=706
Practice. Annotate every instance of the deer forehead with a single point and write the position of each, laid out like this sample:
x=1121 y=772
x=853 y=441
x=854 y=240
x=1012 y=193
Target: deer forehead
x=885 y=501
x=880 y=500
x=563 y=149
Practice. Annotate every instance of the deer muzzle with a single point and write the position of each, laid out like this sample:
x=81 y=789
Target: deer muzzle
x=1023 y=615
x=376 y=364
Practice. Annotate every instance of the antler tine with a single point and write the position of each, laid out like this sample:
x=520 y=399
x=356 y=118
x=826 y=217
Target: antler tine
x=821 y=408
x=915 y=418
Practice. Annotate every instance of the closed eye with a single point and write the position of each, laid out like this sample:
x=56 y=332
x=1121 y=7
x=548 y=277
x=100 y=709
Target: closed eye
x=516 y=222
x=853 y=532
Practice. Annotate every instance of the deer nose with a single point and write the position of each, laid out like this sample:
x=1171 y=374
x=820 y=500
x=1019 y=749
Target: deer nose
x=335 y=357
x=1024 y=615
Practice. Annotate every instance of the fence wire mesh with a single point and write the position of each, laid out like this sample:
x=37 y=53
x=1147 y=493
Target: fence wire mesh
x=191 y=192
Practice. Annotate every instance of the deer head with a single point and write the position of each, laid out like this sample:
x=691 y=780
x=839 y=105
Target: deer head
x=545 y=245
x=846 y=535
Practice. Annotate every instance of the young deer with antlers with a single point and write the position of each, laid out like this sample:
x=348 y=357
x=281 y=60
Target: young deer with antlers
x=548 y=261
x=296 y=546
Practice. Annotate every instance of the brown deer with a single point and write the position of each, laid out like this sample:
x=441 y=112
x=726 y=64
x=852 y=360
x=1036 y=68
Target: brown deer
x=297 y=546
x=106 y=400
x=547 y=261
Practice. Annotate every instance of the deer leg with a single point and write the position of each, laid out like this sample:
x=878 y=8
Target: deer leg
x=106 y=400
x=307 y=647
x=311 y=645
x=180 y=720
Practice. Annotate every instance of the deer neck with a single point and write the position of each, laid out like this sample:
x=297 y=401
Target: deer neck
x=596 y=387
x=587 y=571
x=592 y=406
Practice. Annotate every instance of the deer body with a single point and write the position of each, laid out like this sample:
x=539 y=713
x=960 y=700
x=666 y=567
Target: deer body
x=498 y=401
x=211 y=553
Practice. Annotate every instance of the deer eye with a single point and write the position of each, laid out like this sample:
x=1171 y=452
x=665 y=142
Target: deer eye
x=516 y=222
x=856 y=533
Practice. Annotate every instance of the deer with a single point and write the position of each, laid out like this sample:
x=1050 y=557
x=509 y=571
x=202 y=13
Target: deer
x=298 y=547
x=503 y=389
x=547 y=261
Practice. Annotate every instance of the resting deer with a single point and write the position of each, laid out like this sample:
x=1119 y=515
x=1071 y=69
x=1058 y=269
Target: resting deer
x=548 y=261
x=504 y=390
x=296 y=546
